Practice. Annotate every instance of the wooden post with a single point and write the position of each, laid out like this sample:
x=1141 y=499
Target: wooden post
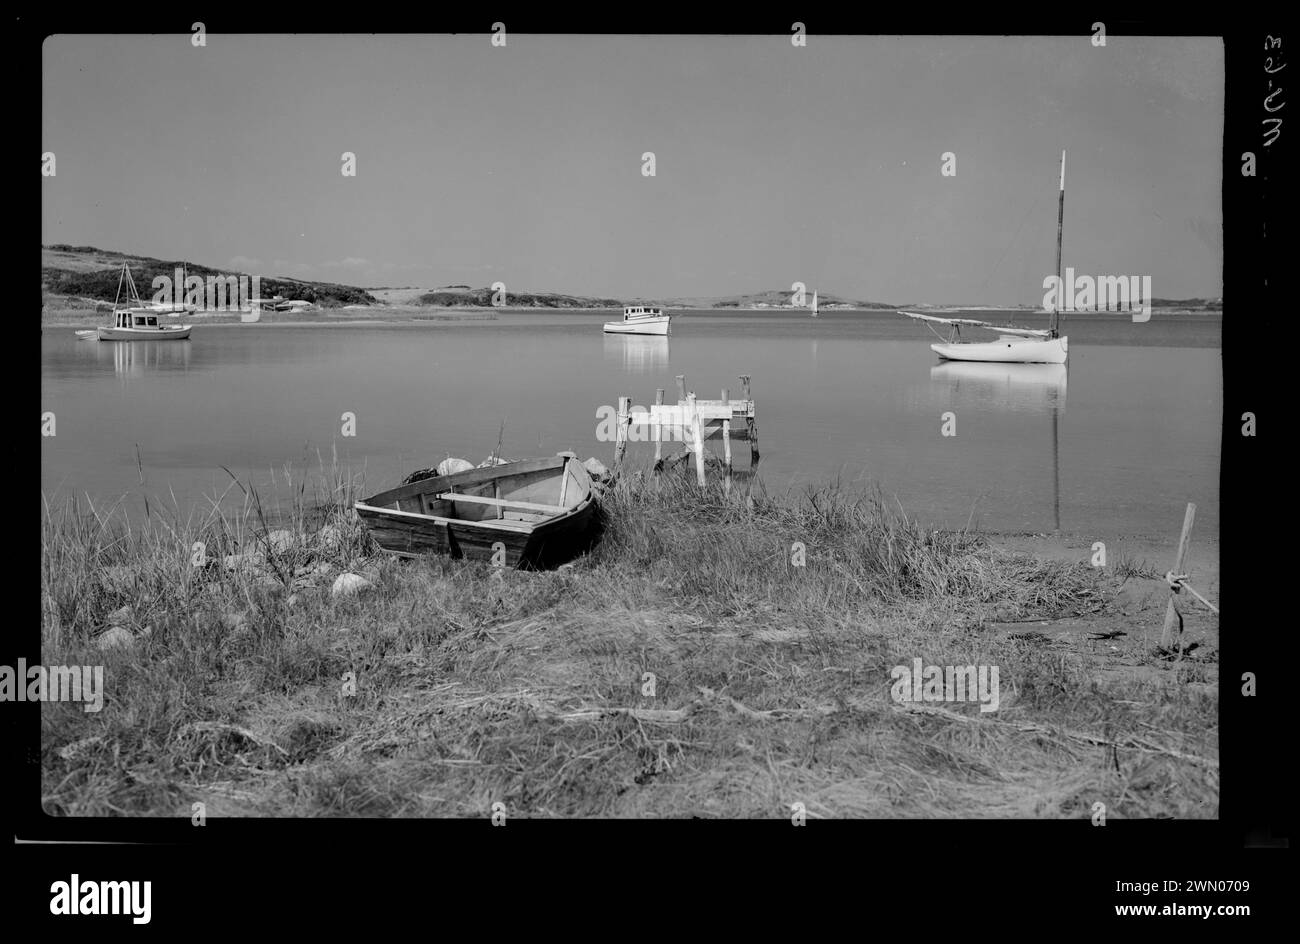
x=751 y=426
x=698 y=435
x=681 y=388
x=726 y=439
x=1171 y=612
x=659 y=442
x=620 y=435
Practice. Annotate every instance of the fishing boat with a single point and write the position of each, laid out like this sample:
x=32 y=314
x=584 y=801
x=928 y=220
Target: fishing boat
x=639 y=319
x=532 y=513
x=137 y=322
x=1014 y=345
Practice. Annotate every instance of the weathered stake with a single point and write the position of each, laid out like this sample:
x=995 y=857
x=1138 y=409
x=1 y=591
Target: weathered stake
x=1171 y=611
x=620 y=434
x=659 y=445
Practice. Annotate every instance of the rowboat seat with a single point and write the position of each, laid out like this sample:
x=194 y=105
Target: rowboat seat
x=503 y=503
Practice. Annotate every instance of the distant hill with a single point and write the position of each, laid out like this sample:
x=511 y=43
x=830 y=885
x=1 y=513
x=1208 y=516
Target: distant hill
x=453 y=296
x=774 y=299
x=88 y=272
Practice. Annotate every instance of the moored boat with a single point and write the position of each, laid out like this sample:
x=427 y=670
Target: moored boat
x=1016 y=345
x=640 y=319
x=533 y=513
x=138 y=322
x=1008 y=349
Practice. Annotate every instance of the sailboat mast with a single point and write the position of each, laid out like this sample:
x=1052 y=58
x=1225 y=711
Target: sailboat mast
x=1060 y=223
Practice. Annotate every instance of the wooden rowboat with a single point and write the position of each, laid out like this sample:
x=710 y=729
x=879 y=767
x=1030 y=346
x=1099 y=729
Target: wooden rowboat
x=532 y=513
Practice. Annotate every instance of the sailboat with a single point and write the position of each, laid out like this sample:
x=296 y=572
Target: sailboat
x=1014 y=345
x=814 y=308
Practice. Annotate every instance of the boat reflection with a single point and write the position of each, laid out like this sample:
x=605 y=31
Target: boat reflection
x=1016 y=388
x=1031 y=388
x=136 y=358
x=637 y=353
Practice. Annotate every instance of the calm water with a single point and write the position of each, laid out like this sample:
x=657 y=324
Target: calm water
x=1118 y=445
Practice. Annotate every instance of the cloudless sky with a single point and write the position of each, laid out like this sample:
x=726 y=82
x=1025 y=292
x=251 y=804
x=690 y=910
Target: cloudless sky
x=774 y=163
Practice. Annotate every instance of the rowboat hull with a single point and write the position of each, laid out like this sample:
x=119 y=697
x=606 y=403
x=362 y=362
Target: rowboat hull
x=1007 y=350
x=517 y=514
x=657 y=326
x=160 y=333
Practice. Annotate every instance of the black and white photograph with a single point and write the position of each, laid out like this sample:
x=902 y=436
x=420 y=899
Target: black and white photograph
x=498 y=425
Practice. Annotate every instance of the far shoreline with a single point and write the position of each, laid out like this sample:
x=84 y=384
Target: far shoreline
x=466 y=314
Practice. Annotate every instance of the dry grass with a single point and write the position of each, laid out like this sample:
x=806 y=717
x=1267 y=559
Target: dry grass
x=772 y=681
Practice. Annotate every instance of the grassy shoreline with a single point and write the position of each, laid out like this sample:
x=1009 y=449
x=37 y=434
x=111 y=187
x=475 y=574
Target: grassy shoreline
x=772 y=681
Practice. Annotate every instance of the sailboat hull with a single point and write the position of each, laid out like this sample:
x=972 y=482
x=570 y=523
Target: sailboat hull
x=1007 y=350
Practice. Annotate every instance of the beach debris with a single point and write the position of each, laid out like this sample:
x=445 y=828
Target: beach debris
x=280 y=541
x=215 y=740
x=77 y=748
x=447 y=466
x=451 y=466
x=350 y=584
x=253 y=560
x=308 y=573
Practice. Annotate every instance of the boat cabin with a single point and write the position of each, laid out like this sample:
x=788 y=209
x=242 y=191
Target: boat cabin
x=636 y=313
x=129 y=318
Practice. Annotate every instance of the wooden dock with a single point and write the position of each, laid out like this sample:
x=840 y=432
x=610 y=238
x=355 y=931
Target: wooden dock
x=692 y=422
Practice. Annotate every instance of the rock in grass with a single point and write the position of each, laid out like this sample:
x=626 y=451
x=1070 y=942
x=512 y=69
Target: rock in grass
x=347 y=585
x=233 y=621
x=596 y=469
x=116 y=636
x=280 y=541
x=117 y=578
x=120 y=616
x=329 y=538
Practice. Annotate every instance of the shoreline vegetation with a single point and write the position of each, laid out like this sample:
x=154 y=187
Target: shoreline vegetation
x=79 y=283
x=260 y=679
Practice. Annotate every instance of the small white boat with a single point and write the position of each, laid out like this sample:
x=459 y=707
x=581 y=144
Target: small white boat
x=639 y=319
x=138 y=322
x=1007 y=350
x=1015 y=345
x=814 y=307
x=141 y=324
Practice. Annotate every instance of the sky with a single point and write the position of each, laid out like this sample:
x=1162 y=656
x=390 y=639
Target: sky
x=773 y=164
